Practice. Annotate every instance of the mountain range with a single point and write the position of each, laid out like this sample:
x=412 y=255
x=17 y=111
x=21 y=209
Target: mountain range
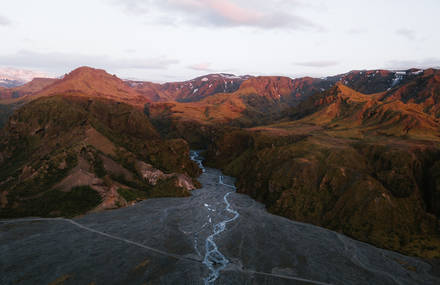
x=357 y=153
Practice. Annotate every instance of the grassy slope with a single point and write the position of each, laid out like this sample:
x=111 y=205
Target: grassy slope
x=50 y=137
x=374 y=190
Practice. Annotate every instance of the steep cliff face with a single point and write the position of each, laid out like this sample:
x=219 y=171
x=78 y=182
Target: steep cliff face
x=64 y=155
x=384 y=193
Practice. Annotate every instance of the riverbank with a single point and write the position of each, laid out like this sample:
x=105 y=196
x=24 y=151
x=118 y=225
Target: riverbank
x=163 y=241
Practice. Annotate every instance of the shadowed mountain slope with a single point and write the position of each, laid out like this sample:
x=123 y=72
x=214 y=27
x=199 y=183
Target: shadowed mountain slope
x=65 y=155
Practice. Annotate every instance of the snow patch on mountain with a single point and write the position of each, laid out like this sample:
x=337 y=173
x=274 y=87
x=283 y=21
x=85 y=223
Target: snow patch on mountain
x=417 y=72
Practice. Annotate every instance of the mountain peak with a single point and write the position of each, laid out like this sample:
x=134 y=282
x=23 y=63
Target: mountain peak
x=87 y=71
x=91 y=82
x=343 y=91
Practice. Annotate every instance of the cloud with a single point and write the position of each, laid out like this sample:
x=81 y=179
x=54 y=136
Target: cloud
x=407 y=64
x=224 y=13
x=407 y=33
x=133 y=6
x=318 y=63
x=62 y=61
x=201 y=67
x=5 y=21
x=21 y=74
x=356 y=31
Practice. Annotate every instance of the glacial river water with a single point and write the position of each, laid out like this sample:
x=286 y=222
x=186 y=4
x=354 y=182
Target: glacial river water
x=214 y=259
x=215 y=236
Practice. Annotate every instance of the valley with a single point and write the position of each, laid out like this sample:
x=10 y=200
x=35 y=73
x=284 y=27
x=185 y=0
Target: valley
x=340 y=172
x=215 y=236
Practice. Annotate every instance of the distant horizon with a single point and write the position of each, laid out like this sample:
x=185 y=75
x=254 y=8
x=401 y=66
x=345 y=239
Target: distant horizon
x=45 y=74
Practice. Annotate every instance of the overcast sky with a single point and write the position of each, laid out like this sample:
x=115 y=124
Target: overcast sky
x=168 y=40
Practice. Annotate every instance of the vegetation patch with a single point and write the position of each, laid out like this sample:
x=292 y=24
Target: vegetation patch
x=168 y=188
x=368 y=190
x=5 y=112
x=57 y=203
x=132 y=194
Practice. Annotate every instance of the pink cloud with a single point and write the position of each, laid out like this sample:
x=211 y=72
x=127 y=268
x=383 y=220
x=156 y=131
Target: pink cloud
x=201 y=67
x=230 y=13
x=233 y=12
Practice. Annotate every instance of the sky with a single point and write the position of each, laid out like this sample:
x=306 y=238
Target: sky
x=172 y=40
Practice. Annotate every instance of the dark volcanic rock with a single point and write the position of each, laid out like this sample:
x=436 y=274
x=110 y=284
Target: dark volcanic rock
x=162 y=241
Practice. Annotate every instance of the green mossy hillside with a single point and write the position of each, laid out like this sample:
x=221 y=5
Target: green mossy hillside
x=53 y=142
x=56 y=203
